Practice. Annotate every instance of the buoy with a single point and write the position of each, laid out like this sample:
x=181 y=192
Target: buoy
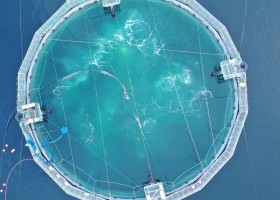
x=244 y=66
x=64 y=130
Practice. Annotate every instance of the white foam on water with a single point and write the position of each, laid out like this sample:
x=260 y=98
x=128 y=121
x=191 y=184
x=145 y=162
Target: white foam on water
x=58 y=90
x=101 y=57
x=128 y=128
x=82 y=75
x=138 y=33
x=148 y=124
x=198 y=100
x=166 y=83
x=79 y=79
x=91 y=136
x=157 y=48
x=126 y=97
x=186 y=77
x=119 y=37
x=138 y=122
x=102 y=52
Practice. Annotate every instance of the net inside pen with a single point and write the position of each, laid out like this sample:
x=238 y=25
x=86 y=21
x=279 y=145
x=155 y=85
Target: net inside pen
x=135 y=94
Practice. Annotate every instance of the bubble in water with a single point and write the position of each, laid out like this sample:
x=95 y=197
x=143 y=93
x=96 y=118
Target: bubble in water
x=148 y=125
x=198 y=100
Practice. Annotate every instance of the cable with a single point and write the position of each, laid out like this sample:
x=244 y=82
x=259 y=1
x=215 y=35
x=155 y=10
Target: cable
x=250 y=162
x=7 y=180
x=137 y=115
x=54 y=141
x=125 y=45
x=70 y=145
x=206 y=99
x=243 y=26
x=176 y=91
x=99 y=115
x=13 y=114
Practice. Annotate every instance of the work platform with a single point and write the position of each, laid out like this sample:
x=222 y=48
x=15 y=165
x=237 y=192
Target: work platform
x=231 y=68
x=154 y=191
x=111 y=6
x=31 y=113
x=110 y=3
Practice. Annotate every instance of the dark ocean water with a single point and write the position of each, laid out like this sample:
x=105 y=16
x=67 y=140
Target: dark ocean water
x=253 y=172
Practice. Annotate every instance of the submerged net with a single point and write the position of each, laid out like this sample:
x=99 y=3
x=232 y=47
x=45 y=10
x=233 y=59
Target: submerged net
x=136 y=96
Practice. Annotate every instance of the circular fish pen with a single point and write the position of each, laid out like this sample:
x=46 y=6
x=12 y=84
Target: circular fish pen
x=132 y=99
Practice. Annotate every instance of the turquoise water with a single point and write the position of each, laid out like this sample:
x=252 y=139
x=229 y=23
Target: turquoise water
x=131 y=91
